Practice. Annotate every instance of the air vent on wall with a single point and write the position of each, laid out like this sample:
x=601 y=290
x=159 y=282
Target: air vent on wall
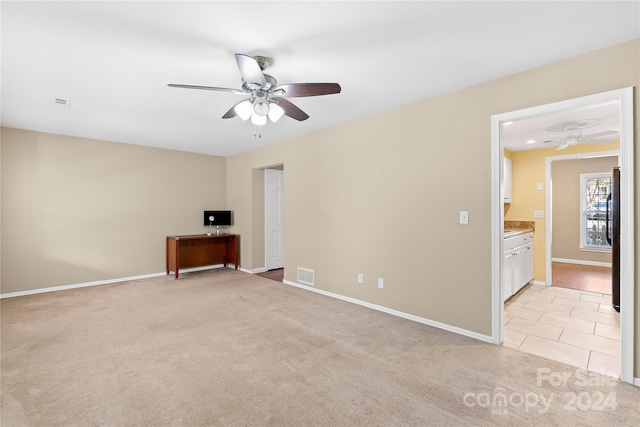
x=306 y=276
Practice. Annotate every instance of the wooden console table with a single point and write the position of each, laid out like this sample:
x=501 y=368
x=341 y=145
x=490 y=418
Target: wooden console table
x=200 y=249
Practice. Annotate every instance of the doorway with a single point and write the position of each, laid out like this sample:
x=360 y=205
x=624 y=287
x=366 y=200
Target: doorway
x=274 y=219
x=581 y=256
x=625 y=98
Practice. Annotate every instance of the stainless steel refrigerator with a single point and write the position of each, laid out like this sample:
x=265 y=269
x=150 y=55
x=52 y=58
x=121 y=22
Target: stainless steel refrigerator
x=613 y=235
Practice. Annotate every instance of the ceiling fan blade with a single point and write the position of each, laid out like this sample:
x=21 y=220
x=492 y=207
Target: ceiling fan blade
x=250 y=70
x=572 y=125
x=600 y=135
x=309 y=89
x=218 y=89
x=230 y=114
x=291 y=110
x=562 y=147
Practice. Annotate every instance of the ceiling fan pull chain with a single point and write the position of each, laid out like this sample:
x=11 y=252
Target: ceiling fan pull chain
x=256 y=132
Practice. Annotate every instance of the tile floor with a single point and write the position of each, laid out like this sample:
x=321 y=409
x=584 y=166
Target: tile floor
x=575 y=327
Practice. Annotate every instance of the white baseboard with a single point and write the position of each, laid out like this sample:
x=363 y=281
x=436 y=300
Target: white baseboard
x=537 y=282
x=258 y=270
x=78 y=285
x=393 y=312
x=581 y=262
x=105 y=282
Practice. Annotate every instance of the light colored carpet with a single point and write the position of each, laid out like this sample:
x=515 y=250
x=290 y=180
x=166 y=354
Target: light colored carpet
x=225 y=348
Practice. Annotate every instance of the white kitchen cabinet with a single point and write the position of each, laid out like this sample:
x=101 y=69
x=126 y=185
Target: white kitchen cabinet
x=526 y=264
x=507 y=181
x=518 y=264
x=507 y=275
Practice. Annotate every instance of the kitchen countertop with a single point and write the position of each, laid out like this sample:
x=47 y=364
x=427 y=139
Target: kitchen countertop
x=516 y=228
x=512 y=232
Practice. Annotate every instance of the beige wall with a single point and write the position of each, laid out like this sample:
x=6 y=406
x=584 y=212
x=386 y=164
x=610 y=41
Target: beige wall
x=381 y=196
x=78 y=210
x=565 y=174
x=528 y=168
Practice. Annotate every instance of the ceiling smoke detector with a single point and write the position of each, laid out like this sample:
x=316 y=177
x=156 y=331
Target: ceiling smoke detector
x=61 y=102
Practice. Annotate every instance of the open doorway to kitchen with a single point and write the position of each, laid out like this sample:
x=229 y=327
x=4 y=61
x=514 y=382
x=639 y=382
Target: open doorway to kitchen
x=623 y=98
x=568 y=316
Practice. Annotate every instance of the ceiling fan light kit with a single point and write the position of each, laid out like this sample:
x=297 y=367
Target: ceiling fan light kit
x=243 y=109
x=266 y=97
x=275 y=112
x=261 y=104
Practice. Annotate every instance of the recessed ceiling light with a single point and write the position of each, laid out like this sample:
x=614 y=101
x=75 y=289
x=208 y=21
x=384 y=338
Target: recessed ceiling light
x=531 y=141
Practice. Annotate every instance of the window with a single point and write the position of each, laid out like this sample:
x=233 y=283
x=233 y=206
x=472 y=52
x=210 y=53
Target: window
x=594 y=191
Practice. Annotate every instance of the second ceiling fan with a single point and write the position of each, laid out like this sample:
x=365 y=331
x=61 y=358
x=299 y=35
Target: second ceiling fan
x=572 y=133
x=267 y=98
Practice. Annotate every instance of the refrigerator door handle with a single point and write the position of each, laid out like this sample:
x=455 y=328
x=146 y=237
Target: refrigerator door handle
x=607 y=219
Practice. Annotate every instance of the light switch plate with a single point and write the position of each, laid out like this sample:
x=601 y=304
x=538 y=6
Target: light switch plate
x=540 y=186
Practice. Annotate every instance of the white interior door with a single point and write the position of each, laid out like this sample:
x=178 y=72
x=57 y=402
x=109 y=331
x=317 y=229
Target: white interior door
x=274 y=198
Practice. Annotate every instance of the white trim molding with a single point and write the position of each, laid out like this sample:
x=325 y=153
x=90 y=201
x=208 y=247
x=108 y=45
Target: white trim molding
x=581 y=262
x=439 y=325
x=79 y=285
x=106 y=282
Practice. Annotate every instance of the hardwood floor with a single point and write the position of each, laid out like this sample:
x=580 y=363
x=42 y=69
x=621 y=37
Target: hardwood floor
x=582 y=277
x=277 y=275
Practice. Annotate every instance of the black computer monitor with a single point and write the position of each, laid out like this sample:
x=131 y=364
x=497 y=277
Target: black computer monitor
x=217 y=218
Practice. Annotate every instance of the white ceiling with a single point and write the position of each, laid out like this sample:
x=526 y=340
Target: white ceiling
x=113 y=60
x=516 y=134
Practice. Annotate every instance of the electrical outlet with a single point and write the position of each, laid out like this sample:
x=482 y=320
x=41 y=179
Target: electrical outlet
x=538 y=214
x=360 y=278
x=464 y=217
x=380 y=282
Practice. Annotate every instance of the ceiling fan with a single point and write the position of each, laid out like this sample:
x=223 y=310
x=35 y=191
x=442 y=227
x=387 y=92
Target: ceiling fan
x=266 y=97
x=572 y=133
